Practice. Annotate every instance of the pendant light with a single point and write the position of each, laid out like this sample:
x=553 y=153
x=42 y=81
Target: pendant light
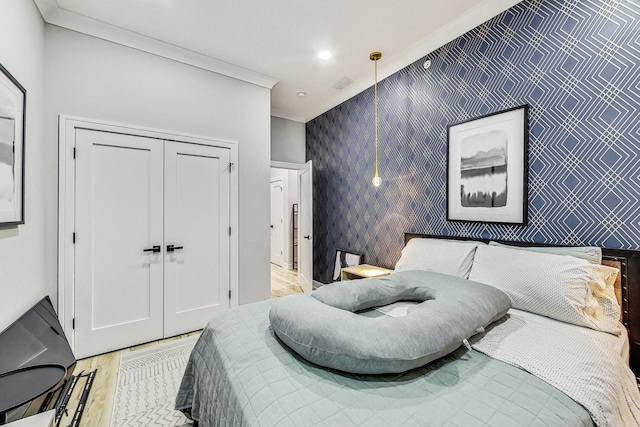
x=374 y=56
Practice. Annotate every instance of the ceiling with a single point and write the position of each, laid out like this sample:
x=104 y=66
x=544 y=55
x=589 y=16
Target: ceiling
x=275 y=43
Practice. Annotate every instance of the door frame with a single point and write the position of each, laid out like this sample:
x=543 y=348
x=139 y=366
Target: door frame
x=296 y=167
x=67 y=126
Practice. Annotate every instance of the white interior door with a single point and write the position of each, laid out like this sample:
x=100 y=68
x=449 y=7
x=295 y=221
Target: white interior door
x=305 y=227
x=197 y=241
x=118 y=263
x=277 y=222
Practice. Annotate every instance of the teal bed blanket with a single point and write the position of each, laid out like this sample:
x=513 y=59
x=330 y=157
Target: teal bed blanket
x=240 y=374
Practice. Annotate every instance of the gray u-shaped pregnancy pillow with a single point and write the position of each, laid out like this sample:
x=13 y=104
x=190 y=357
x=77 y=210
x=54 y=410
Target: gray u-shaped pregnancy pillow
x=323 y=327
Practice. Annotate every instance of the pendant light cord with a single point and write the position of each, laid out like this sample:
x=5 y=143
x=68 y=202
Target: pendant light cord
x=375 y=96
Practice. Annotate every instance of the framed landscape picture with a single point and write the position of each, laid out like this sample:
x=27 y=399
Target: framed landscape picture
x=487 y=168
x=12 y=134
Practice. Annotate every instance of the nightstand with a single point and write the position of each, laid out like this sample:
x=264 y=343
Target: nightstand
x=363 y=271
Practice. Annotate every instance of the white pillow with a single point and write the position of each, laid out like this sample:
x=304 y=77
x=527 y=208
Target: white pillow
x=442 y=256
x=562 y=287
x=593 y=254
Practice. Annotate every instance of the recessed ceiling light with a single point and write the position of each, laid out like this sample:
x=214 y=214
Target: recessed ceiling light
x=325 y=54
x=302 y=94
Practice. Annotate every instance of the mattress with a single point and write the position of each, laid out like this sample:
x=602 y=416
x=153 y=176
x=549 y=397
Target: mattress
x=240 y=374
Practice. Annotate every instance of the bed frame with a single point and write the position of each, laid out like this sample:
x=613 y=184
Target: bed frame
x=627 y=289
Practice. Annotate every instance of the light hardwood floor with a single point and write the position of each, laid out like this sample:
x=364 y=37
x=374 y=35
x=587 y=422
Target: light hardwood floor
x=100 y=404
x=283 y=282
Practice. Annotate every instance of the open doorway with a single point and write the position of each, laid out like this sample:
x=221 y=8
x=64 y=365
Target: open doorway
x=291 y=251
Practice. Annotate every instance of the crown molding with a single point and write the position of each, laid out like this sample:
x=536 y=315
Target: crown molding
x=46 y=8
x=54 y=15
x=474 y=17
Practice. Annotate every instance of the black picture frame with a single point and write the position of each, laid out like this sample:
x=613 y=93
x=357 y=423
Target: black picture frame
x=13 y=120
x=488 y=168
x=346 y=258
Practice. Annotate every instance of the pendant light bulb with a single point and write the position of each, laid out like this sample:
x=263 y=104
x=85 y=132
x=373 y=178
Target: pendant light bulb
x=376 y=181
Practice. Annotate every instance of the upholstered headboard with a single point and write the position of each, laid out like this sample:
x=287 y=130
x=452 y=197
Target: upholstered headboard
x=627 y=286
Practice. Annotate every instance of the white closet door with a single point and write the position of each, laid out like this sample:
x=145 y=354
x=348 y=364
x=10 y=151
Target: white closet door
x=197 y=224
x=119 y=216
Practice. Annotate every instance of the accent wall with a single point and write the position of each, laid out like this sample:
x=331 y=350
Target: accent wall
x=574 y=62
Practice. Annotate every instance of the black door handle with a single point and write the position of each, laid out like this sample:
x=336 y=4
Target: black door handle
x=153 y=249
x=272 y=226
x=171 y=248
x=307 y=237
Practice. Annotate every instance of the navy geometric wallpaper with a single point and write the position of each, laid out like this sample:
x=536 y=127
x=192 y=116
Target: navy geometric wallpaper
x=575 y=62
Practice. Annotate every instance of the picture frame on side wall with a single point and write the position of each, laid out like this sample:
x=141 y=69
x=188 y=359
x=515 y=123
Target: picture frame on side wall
x=487 y=168
x=13 y=98
x=346 y=258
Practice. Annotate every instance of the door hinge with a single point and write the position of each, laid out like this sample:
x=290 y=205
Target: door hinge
x=74 y=152
x=74 y=238
x=229 y=231
x=73 y=323
x=229 y=293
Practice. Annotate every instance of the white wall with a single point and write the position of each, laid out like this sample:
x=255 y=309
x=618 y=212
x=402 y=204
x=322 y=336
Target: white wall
x=288 y=140
x=23 y=279
x=92 y=78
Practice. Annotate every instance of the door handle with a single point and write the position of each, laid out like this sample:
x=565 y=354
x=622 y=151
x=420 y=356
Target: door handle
x=271 y=226
x=171 y=248
x=307 y=237
x=153 y=249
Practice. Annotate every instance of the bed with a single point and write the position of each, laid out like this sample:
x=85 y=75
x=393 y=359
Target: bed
x=241 y=374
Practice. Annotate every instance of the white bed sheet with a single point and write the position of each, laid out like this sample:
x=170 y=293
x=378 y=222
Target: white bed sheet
x=621 y=342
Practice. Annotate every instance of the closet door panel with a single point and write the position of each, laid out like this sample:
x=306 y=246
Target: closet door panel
x=119 y=214
x=197 y=225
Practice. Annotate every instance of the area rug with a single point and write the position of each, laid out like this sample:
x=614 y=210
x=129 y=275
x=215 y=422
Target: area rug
x=148 y=381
